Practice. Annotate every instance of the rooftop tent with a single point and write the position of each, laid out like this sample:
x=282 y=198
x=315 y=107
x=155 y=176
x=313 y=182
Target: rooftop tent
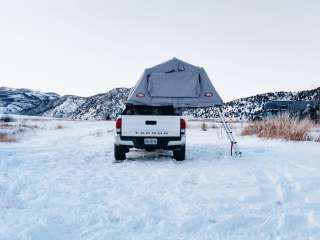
x=174 y=83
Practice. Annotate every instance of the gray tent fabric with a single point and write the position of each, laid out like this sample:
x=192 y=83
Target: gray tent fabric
x=188 y=83
x=174 y=83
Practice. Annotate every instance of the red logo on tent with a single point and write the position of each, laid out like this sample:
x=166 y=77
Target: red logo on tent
x=140 y=95
x=208 y=94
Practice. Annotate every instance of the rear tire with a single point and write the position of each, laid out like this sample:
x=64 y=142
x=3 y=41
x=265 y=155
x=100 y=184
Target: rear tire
x=180 y=154
x=119 y=153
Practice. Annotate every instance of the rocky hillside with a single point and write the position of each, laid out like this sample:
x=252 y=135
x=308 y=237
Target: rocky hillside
x=245 y=108
x=28 y=102
x=109 y=105
x=102 y=106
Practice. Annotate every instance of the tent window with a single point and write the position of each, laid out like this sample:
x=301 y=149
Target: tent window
x=177 y=84
x=181 y=67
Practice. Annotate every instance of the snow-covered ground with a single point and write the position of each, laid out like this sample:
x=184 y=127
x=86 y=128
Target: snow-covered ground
x=59 y=181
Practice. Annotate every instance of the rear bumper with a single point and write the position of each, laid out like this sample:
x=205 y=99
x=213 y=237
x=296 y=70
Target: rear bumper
x=166 y=143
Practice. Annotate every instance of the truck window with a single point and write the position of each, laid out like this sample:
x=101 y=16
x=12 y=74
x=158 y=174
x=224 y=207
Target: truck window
x=150 y=110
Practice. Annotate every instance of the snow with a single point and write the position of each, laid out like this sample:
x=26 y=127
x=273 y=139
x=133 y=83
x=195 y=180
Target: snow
x=62 y=183
x=66 y=108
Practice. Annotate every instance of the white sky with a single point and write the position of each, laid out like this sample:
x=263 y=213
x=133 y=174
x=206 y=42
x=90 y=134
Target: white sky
x=89 y=47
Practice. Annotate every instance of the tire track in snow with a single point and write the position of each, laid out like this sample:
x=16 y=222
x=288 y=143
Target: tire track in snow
x=279 y=188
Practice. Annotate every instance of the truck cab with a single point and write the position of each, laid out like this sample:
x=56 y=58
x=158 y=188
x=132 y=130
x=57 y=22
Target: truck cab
x=150 y=128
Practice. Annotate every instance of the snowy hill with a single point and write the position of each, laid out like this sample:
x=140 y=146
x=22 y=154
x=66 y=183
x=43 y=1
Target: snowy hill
x=25 y=101
x=102 y=106
x=109 y=105
x=246 y=107
x=65 y=106
x=28 y=102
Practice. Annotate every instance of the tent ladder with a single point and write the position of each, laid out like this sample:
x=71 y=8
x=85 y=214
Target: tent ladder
x=234 y=148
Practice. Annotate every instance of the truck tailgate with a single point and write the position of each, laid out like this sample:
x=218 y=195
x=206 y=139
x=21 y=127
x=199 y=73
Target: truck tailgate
x=150 y=126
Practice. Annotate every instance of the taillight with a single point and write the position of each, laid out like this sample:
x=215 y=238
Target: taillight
x=140 y=95
x=183 y=125
x=118 y=125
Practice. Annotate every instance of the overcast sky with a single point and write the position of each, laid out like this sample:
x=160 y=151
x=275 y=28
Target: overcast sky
x=89 y=47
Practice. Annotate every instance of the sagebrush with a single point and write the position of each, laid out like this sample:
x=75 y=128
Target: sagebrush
x=204 y=126
x=283 y=127
x=6 y=138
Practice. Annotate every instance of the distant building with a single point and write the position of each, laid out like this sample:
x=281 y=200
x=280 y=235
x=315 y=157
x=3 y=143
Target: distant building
x=299 y=109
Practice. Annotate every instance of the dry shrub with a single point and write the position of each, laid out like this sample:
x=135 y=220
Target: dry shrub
x=59 y=126
x=7 y=118
x=21 y=128
x=251 y=129
x=214 y=125
x=283 y=127
x=204 y=126
x=6 y=138
x=97 y=134
x=28 y=126
x=5 y=125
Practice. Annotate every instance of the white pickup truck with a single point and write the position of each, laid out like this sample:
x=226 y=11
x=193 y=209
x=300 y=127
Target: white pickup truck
x=150 y=128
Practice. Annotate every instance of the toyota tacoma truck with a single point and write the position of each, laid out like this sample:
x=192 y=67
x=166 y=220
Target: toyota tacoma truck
x=150 y=128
